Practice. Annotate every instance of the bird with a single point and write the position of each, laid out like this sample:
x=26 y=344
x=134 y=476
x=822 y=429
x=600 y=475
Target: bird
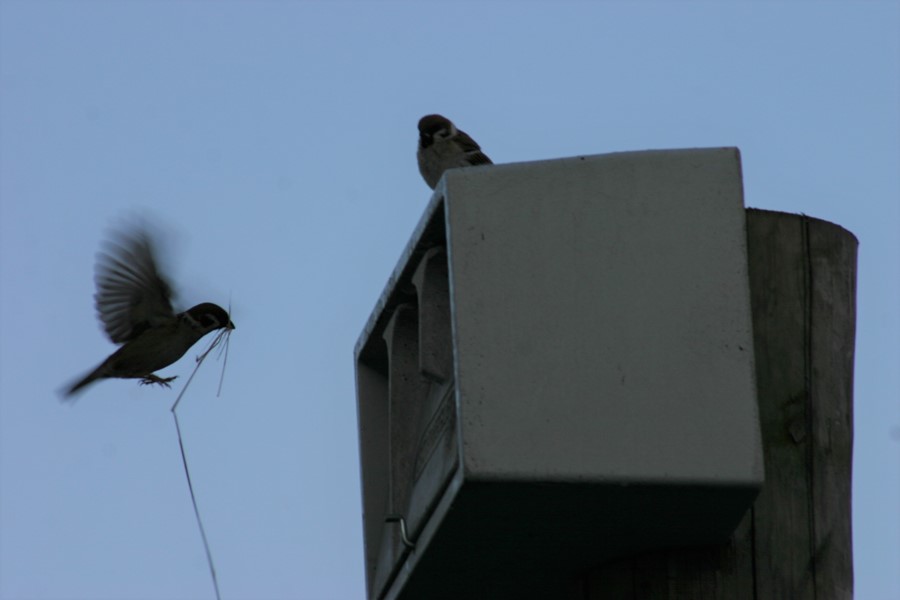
x=442 y=146
x=134 y=305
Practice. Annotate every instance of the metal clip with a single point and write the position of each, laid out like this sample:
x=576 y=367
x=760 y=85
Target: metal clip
x=403 y=535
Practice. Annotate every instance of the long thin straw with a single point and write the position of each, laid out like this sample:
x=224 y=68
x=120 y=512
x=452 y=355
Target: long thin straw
x=187 y=472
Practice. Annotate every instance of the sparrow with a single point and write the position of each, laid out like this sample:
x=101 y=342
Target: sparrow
x=442 y=146
x=134 y=304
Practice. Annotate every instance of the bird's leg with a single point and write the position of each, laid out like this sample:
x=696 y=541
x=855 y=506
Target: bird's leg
x=163 y=381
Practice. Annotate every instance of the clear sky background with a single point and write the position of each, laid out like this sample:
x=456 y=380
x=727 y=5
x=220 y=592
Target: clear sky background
x=275 y=143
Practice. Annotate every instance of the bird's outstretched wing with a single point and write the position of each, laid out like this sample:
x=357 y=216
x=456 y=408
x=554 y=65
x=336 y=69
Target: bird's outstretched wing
x=132 y=295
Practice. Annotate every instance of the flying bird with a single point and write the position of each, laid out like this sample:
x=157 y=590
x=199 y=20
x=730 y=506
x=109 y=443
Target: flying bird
x=442 y=146
x=134 y=304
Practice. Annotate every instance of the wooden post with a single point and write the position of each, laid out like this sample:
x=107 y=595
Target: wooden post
x=795 y=542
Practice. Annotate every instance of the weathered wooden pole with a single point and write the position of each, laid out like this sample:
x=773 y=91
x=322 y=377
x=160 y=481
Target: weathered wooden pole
x=795 y=542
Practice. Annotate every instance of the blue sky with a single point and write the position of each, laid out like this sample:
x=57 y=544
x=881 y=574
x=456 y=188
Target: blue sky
x=275 y=143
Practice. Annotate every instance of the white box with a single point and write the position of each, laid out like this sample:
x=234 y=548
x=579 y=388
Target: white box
x=559 y=371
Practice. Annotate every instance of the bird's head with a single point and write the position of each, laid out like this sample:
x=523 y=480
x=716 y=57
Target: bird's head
x=210 y=317
x=433 y=127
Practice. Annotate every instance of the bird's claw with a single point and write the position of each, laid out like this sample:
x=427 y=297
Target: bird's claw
x=163 y=381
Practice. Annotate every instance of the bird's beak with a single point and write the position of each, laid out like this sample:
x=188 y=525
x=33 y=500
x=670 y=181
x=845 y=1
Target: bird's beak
x=230 y=324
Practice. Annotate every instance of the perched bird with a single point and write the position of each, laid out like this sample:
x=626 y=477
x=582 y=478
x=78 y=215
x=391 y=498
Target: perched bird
x=133 y=302
x=442 y=146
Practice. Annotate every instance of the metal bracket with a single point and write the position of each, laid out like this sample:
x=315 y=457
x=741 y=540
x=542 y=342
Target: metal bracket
x=403 y=534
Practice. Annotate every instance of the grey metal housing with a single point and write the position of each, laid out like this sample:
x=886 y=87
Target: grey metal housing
x=559 y=371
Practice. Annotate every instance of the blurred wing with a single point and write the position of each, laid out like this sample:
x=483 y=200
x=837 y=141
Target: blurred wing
x=131 y=295
x=472 y=149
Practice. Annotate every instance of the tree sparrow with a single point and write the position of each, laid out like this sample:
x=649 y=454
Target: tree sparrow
x=442 y=146
x=133 y=302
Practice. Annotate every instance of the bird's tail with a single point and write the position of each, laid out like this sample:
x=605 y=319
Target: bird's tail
x=88 y=379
